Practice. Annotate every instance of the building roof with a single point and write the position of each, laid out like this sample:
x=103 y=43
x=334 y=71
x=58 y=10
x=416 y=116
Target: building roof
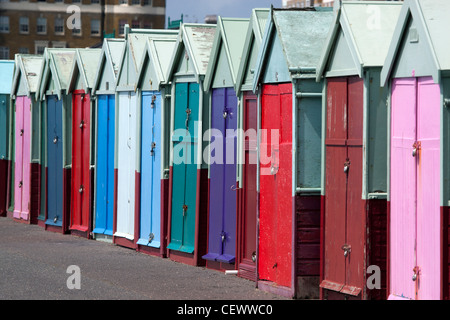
x=28 y=66
x=367 y=26
x=136 y=40
x=253 y=37
x=432 y=17
x=112 y=50
x=197 y=39
x=57 y=64
x=302 y=34
x=7 y=71
x=158 y=52
x=230 y=37
x=84 y=66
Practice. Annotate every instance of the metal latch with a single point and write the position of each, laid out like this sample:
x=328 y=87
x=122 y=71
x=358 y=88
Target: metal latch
x=416 y=147
x=188 y=113
x=153 y=101
x=254 y=256
x=185 y=207
x=223 y=236
x=81 y=189
x=21 y=132
x=347 y=249
x=416 y=274
x=55 y=140
x=20 y=184
x=152 y=152
x=151 y=237
x=347 y=165
x=82 y=124
x=225 y=113
x=55 y=219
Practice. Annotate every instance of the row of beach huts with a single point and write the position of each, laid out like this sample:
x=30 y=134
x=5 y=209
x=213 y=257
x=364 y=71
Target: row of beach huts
x=306 y=150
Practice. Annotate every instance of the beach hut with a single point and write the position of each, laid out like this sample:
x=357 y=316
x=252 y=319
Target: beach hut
x=104 y=92
x=355 y=149
x=127 y=142
x=81 y=82
x=290 y=102
x=155 y=141
x=246 y=259
x=56 y=136
x=220 y=82
x=417 y=74
x=188 y=186
x=27 y=169
x=7 y=70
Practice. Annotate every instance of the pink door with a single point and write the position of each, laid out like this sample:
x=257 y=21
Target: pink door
x=415 y=185
x=22 y=158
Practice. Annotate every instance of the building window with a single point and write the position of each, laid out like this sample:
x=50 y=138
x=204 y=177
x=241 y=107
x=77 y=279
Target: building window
x=135 y=24
x=41 y=27
x=146 y=2
x=39 y=46
x=75 y=31
x=4 y=53
x=123 y=1
x=23 y=50
x=147 y=25
x=95 y=1
x=135 y=2
x=95 y=27
x=58 y=44
x=59 y=26
x=4 y=24
x=23 y=24
x=122 y=26
x=59 y=0
x=76 y=1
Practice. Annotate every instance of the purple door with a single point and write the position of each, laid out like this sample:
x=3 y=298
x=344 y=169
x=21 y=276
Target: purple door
x=222 y=201
x=415 y=190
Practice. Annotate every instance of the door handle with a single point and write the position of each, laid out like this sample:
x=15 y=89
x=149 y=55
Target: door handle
x=416 y=148
x=347 y=249
x=347 y=166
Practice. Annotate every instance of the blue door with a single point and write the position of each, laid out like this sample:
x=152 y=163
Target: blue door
x=54 y=162
x=105 y=165
x=150 y=223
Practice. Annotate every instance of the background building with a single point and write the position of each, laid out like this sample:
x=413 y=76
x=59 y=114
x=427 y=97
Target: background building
x=28 y=26
x=310 y=3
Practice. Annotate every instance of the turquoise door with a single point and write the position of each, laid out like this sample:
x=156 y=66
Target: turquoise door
x=184 y=183
x=104 y=212
x=150 y=217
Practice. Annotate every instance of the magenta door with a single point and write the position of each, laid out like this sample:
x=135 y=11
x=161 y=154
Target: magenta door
x=22 y=158
x=415 y=190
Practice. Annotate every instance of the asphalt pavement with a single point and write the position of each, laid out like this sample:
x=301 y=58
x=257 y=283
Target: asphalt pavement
x=38 y=265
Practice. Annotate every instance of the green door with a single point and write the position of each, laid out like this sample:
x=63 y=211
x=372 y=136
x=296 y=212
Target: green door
x=184 y=183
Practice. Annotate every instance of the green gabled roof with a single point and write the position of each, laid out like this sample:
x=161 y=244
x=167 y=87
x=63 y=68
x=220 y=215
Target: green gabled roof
x=28 y=66
x=367 y=27
x=84 y=66
x=109 y=58
x=158 y=52
x=230 y=37
x=197 y=39
x=136 y=40
x=253 y=37
x=57 y=65
x=432 y=17
x=302 y=34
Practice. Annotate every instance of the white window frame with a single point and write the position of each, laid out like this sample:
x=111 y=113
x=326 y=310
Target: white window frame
x=54 y=28
x=40 y=25
x=4 y=53
x=98 y=30
x=22 y=21
x=4 y=24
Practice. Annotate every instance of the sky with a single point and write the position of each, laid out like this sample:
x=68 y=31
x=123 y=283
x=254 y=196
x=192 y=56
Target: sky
x=196 y=10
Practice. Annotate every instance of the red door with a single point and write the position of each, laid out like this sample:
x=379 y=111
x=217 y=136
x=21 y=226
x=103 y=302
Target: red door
x=344 y=246
x=275 y=240
x=247 y=223
x=80 y=161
